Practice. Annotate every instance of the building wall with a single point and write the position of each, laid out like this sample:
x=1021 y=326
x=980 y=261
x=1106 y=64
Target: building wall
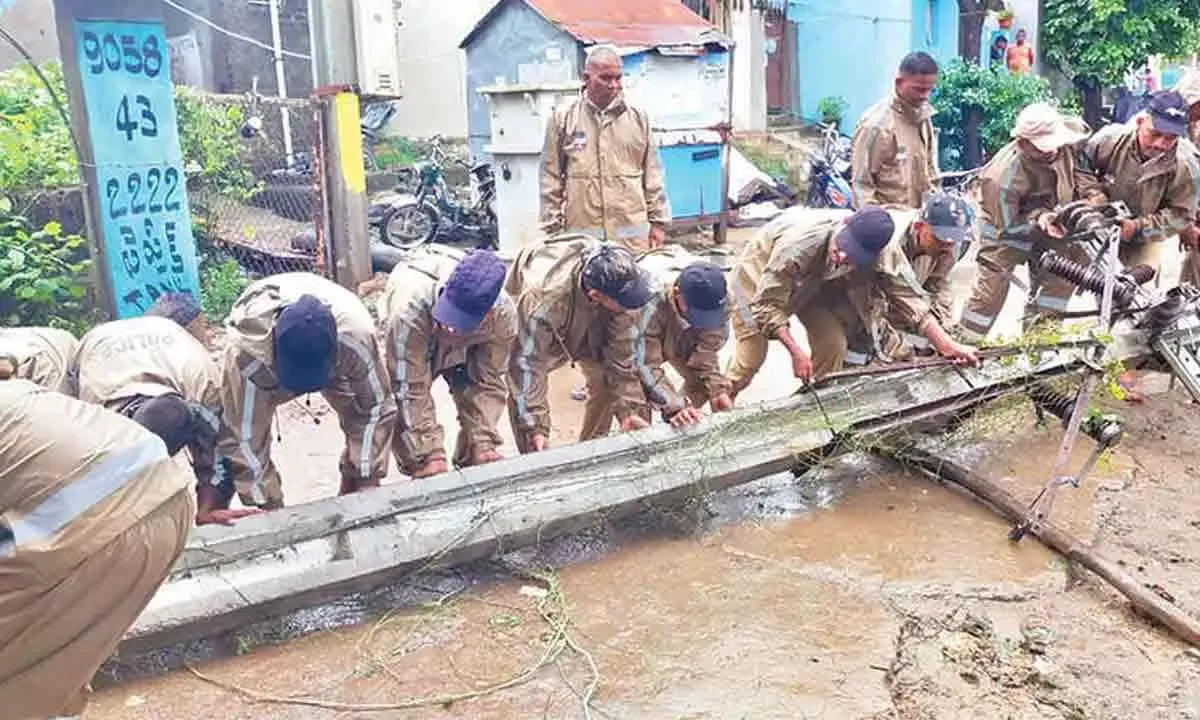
x=31 y=22
x=851 y=48
x=433 y=68
x=749 y=70
x=517 y=46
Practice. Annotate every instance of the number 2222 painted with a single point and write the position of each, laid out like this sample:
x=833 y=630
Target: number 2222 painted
x=147 y=227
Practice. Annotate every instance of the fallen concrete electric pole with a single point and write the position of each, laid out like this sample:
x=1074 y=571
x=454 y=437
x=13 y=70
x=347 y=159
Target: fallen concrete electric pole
x=298 y=557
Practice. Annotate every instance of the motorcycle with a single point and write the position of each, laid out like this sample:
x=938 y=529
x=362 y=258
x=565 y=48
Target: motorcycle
x=829 y=171
x=434 y=215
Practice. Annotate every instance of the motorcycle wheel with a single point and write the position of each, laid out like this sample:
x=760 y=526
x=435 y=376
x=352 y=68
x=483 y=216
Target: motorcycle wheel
x=409 y=226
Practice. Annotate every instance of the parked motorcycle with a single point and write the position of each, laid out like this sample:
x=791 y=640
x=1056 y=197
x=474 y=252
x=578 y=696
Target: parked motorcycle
x=434 y=215
x=829 y=171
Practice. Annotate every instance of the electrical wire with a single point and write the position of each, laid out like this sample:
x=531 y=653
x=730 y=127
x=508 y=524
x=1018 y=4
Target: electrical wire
x=54 y=98
x=230 y=33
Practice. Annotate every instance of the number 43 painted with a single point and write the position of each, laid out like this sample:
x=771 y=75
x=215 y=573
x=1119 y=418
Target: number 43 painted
x=129 y=125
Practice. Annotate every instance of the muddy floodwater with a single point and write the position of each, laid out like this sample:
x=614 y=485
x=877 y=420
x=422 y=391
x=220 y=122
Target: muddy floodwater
x=856 y=592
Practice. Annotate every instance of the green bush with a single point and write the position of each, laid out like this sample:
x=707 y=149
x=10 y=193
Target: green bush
x=832 y=109
x=35 y=147
x=214 y=153
x=222 y=281
x=42 y=280
x=999 y=97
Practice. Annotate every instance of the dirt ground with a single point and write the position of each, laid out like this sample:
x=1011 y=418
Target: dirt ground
x=860 y=592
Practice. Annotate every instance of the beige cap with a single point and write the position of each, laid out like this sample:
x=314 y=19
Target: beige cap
x=1189 y=86
x=1042 y=125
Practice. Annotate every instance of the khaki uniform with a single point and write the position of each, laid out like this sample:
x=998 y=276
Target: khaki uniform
x=119 y=362
x=92 y=516
x=1189 y=88
x=1161 y=192
x=43 y=355
x=932 y=273
x=893 y=155
x=559 y=324
x=786 y=270
x=250 y=393
x=601 y=174
x=473 y=365
x=664 y=336
x=1016 y=190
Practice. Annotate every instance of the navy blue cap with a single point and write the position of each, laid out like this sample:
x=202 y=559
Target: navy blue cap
x=1168 y=113
x=865 y=234
x=470 y=291
x=704 y=292
x=305 y=345
x=613 y=270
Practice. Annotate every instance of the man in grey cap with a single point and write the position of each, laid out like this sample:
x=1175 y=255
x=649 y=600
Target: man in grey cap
x=830 y=268
x=575 y=298
x=1141 y=165
x=933 y=239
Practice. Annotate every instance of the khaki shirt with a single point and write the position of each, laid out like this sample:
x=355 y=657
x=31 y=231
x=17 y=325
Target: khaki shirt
x=1016 y=190
x=601 y=174
x=558 y=324
x=417 y=354
x=73 y=477
x=664 y=335
x=786 y=267
x=43 y=355
x=932 y=271
x=1160 y=192
x=893 y=160
x=356 y=375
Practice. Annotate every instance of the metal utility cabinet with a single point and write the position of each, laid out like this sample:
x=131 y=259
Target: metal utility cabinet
x=518 y=115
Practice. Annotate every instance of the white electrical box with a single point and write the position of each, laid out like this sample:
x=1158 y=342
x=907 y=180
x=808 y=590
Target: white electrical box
x=376 y=37
x=519 y=114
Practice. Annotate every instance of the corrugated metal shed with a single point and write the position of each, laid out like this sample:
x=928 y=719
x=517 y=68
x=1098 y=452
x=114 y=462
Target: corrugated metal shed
x=624 y=23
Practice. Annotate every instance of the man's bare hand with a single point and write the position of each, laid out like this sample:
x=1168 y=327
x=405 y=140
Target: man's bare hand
x=483 y=457
x=721 y=403
x=538 y=442
x=224 y=517
x=802 y=366
x=657 y=237
x=1129 y=228
x=1048 y=223
x=634 y=422
x=686 y=417
x=432 y=466
x=962 y=354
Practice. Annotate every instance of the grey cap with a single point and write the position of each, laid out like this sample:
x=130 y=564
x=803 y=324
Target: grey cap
x=950 y=216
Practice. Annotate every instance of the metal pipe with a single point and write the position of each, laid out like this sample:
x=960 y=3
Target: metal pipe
x=281 y=80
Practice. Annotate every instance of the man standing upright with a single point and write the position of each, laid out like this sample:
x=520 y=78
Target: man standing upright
x=1020 y=55
x=1188 y=88
x=893 y=159
x=600 y=169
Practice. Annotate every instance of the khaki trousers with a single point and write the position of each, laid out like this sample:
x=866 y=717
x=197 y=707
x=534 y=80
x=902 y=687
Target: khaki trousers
x=1191 y=268
x=55 y=632
x=1049 y=294
x=598 y=414
x=827 y=343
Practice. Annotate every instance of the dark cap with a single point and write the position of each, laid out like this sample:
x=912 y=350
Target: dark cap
x=613 y=270
x=950 y=216
x=178 y=306
x=702 y=285
x=865 y=234
x=1168 y=113
x=470 y=291
x=305 y=345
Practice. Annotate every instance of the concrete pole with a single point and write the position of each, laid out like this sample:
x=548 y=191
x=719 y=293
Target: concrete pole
x=281 y=81
x=343 y=177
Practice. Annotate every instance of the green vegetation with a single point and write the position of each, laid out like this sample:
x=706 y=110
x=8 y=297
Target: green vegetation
x=42 y=279
x=993 y=98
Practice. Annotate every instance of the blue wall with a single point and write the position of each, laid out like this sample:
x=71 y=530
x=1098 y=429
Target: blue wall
x=852 y=48
x=516 y=35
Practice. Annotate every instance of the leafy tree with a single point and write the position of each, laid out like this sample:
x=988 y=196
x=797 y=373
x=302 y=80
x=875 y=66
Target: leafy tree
x=1096 y=42
x=976 y=109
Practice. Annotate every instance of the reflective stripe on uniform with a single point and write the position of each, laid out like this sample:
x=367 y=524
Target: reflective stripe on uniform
x=856 y=358
x=368 y=440
x=258 y=494
x=400 y=375
x=520 y=398
x=978 y=319
x=76 y=498
x=1052 y=303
